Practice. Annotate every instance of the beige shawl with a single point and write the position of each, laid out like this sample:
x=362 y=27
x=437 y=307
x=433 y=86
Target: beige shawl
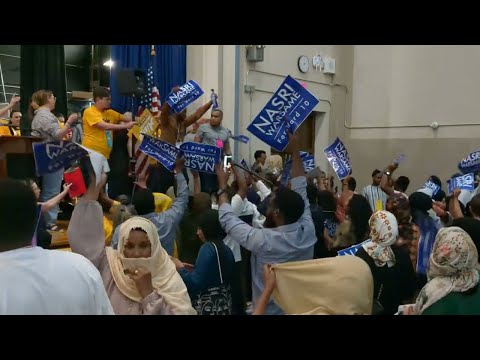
x=165 y=279
x=341 y=285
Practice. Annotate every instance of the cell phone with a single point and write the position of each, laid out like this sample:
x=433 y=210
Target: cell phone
x=227 y=159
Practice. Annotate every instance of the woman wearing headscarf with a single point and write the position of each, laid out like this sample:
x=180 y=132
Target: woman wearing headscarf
x=139 y=277
x=342 y=285
x=453 y=277
x=420 y=204
x=393 y=275
x=215 y=264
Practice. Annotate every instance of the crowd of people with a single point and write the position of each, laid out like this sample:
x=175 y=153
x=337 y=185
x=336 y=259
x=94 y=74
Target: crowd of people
x=236 y=242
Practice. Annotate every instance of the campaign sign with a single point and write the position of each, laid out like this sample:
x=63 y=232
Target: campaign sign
x=55 y=155
x=164 y=153
x=185 y=96
x=201 y=157
x=471 y=163
x=286 y=111
x=465 y=182
x=338 y=158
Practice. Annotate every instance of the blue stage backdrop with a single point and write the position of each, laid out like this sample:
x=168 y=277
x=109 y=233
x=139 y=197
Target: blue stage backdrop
x=169 y=66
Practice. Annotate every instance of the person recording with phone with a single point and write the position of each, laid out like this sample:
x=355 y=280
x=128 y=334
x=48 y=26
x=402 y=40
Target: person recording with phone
x=213 y=134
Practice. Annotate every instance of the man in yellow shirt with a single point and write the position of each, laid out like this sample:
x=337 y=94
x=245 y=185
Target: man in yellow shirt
x=99 y=121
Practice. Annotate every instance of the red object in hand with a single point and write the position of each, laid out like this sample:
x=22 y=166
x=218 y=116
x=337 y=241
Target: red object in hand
x=75 y=178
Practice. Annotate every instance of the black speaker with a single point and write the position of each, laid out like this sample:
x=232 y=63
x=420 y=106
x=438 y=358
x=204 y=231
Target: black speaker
x=131 y=82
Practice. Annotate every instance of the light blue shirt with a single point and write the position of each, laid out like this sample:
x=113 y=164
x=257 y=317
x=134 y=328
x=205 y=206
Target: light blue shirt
x=293 y=242
x=166 y=222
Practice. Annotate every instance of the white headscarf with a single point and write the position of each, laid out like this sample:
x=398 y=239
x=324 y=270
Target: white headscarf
x=383 y=233
x=452 y=267
x=165 y=279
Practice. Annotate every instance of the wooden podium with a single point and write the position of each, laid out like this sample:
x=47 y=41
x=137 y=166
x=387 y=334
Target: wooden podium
x=16 y=156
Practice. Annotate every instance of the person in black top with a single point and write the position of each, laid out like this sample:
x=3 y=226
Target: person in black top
x=392 y=270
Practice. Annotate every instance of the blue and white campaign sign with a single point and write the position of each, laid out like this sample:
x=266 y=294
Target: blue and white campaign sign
x=338 y=158
x=288 y=108
x=55 y=155
x=352 y=250
x=201 y=157
x=165 y=153
x=431 y=186
x=244 y=163
x=242 y=138
x=471 y=163
x=185 y=96
x=465 y=182
x=308 y=162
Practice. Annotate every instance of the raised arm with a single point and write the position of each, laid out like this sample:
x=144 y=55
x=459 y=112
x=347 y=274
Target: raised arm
x=454 y=205
x=241 y=181
x=299 y=181
x=13 y=101
x=250 y=238
x=46 y=206
x=85 y=231
x=175 y=214
x=197 y=114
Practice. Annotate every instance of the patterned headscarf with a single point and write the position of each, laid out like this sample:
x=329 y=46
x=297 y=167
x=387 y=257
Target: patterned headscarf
x=383 y=233
x=452 y=267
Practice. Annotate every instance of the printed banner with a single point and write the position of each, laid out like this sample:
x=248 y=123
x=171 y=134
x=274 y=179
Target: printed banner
x=430 y=185
x=185 y=96
x=471 y=163
x=201 y=157
x=286 y=110
x=465 y=182
x=242 y=138
x=165 y=153
x=308 y=162
x=352 y=250
x=338 y=158
x=55 y=155
x=147 y=124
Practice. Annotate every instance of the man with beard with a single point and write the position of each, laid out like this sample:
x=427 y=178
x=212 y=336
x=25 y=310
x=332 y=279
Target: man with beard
x=289 y=233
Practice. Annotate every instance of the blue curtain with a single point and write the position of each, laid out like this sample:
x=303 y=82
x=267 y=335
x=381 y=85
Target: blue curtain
x=170 y=68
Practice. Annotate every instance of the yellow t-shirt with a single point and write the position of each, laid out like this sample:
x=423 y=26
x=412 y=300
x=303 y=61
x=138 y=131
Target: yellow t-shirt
x=162 y=202
x=5 y=131
x=97 y=139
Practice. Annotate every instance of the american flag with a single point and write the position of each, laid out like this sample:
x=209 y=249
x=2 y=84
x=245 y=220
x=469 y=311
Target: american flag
x=151 y=100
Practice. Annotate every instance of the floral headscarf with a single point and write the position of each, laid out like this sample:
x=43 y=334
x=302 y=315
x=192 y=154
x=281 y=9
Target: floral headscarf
x=452 y=267
x=383 y=234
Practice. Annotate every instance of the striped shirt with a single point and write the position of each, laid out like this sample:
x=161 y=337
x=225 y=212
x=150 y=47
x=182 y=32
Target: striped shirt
x=374 y=193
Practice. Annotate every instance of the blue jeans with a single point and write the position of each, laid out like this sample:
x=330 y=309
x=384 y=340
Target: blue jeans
x=51 y=184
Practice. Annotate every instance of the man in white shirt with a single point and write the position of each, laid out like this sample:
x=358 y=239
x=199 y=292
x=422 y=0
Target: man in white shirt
x=34 y=281
x=375 y=195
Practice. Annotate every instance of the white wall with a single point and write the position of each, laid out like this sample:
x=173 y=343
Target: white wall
x=383 y=102
x=402 y=90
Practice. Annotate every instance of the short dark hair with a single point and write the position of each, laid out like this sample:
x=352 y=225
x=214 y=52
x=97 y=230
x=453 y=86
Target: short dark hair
x=475 y=205
x=18 y=214
x=100 y=92
x=144 y=201
x=289 y=203
x=258 y=154
x=402 y=183
x=220 y=111
x=375 y=172
x=13 y=112
x=352 y=184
